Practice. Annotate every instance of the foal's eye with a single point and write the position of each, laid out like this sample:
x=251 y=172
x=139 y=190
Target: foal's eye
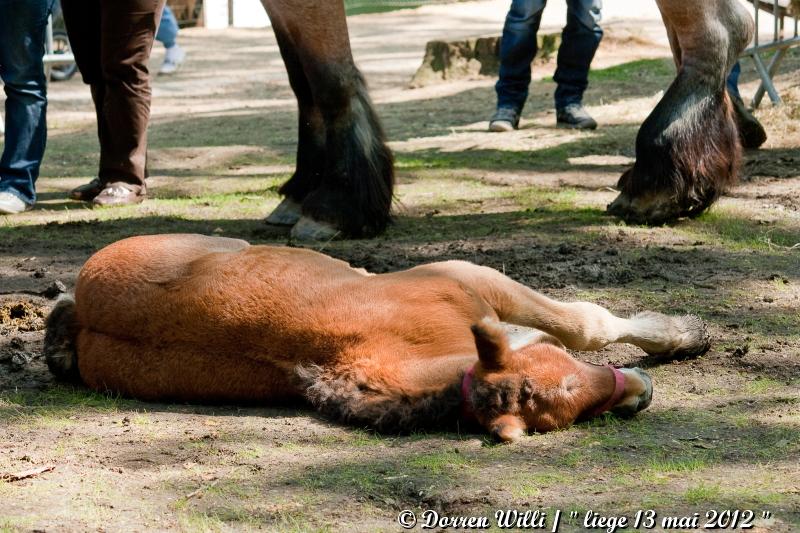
x=363 y=387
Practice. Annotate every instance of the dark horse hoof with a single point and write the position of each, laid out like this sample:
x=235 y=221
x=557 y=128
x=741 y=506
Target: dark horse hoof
x=287 y=213
x=661 y=206
x=751 y=133
x=655 y=209
x=651 y=209
x=308 y=229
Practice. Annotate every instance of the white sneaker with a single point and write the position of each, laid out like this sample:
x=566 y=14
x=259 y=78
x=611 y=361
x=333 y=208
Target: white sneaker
x=11 y=205
x=172 y=60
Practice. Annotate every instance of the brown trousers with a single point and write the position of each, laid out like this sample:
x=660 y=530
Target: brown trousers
x=112 y=40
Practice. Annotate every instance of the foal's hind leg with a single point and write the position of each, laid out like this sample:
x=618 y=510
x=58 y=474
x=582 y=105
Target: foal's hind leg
x=578 y=325
x=354 y=192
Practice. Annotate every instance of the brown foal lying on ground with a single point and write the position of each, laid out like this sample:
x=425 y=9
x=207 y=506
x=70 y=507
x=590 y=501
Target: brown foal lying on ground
x=210 y=319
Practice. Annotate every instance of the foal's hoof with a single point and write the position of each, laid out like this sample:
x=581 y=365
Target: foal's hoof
x=695 y=338
x=287 y=213
x=690 y=333
x=308 y=229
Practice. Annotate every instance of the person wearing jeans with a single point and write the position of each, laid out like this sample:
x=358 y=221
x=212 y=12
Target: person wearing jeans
x=112 y=40
x=579 y=41
x=22 y=34
x=168 y=36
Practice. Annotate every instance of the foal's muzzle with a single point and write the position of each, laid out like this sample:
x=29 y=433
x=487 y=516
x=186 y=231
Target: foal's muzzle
x=630 y=408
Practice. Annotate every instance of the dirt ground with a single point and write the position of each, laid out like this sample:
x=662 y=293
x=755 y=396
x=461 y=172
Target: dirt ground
x=723 y=431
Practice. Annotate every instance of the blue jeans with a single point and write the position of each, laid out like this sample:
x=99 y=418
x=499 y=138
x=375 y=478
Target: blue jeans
x=733 y=81
x=579 y=41
x=167 y=29
x=22 y=32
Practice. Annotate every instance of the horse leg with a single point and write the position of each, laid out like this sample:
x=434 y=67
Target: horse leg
x=578 y=325
x=354 y=193
x=688 y=151
x=751 y=132
x=310 y=164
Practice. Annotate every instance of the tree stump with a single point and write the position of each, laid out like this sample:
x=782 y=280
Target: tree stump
x=471 y=59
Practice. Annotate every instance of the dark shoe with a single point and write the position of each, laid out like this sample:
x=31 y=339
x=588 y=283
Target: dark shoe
x=120 y=193
x=504 y=119
x=575 y=116
x=87 y=191
x=751 y=133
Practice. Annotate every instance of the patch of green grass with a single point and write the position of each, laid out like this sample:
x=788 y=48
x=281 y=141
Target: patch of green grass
x=348 y=475
x=681 y=464
x=141 y=419
x=199 y=522
x=15 y=524
x=635 y=70
x=702 y=493
x=741 y=231
x=573 y=458
x=763 y=385
x=362 y=7
x=567 y=512
x=251 y=452
x=437 y=463
x=239 y=488
x=359 y=437
x=53 y=407
x=356 y=437
x=656 y=500
x=525 y=490
x=529 y=485
x=748 y=496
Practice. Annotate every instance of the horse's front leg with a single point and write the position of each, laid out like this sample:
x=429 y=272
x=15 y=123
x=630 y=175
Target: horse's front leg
x=310 y=165
x=354 y=193
x=688 y=150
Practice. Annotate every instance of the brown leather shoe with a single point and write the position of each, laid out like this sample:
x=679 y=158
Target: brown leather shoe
x=87 y=191
x=120 y=193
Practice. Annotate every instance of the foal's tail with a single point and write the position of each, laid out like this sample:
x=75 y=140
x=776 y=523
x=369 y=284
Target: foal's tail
x=60 y=351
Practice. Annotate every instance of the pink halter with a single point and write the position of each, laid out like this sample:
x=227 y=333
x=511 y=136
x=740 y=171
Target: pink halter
x=619 y=390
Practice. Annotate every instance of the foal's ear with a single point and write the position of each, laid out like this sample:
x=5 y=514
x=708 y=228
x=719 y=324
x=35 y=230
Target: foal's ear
x=492 y=343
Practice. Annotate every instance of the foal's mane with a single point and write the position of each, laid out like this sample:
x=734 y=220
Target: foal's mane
x=345 y=397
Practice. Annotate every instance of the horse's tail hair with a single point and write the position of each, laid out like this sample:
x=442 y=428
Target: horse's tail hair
x=60 y=350
x=359 y=189
x=377 y=166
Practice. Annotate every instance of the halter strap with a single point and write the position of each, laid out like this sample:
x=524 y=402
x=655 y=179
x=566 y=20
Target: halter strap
x=466 y=387
x=619 y=390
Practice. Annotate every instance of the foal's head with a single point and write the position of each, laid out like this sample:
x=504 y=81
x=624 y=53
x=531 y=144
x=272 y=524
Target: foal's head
x=540 y=387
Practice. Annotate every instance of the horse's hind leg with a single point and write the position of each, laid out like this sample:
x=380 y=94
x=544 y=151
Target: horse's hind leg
x=578 y=325
x=354 y=192
x=688 y=150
